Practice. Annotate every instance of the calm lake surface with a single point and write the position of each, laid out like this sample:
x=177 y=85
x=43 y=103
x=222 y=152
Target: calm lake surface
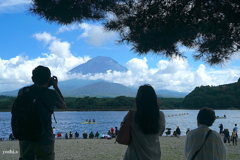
x=71 y=121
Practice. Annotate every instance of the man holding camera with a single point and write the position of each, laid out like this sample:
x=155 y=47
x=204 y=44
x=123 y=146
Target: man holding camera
x=44 y=147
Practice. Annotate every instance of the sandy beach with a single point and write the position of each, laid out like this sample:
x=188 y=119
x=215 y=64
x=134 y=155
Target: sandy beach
x=103 y=149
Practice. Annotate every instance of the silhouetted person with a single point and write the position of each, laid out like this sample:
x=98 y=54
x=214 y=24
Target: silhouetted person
x=41 y=77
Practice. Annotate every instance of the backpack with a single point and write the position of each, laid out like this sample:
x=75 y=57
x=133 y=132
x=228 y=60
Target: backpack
x=27 y=120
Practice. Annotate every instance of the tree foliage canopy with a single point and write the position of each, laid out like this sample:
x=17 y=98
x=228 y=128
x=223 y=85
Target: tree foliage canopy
x=69 y=11
x=211 y=27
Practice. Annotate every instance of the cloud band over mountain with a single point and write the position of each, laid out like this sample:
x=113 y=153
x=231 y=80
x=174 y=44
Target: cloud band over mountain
x=173 y=74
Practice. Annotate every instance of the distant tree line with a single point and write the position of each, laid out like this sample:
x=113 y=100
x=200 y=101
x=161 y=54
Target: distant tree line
x=93 y=103
x=216 y=97
x=6 y=102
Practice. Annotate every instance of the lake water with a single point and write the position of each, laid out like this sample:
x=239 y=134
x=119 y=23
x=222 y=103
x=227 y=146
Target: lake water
x=71 y=121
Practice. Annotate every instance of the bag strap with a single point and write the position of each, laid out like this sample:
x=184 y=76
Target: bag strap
x=44 y=104
x=129 y=117
x=202 y=144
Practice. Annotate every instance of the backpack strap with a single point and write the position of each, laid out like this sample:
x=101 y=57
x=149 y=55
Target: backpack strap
x=202 y=144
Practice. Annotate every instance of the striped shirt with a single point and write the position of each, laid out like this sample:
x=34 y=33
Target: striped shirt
x=213 y=149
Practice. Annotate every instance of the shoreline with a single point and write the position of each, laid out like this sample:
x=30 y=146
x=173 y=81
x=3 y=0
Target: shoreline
x=172 y=148
x=84 y=110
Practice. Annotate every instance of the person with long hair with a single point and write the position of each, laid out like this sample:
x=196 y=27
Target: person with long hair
x=147 y=124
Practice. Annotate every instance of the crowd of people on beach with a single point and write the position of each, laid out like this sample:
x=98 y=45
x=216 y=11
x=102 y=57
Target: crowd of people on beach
x=112 y=133
x=227 y=137
x=176 y=133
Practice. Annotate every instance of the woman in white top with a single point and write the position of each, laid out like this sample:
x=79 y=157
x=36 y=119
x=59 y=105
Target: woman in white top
x=148 y=123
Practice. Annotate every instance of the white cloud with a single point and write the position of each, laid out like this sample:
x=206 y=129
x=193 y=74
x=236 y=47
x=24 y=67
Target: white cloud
x=137 y=65
x=95 y=35
x=57 y=47
x=201 y=75
x=6 y=3
x=16 y=72
x=62 y=49
x=236 y=56
x=174 y=74
x=45 y=37
x=11 y=6
x=67 y=28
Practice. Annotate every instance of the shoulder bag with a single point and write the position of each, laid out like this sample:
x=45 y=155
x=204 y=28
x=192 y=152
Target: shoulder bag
x=202 y=144
x=124 y=134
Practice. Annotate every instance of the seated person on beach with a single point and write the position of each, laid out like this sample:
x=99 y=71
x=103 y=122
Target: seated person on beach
x=91 y=135
x=76 y=134
x=174 y=134
x=178 y=131
x=59 y=135
x=213 y=148
x=168 y=131
x=11 y=137
x=66 y=135
x=97 y=134
x=85 y=135
x=107 y=136
x=102 y=136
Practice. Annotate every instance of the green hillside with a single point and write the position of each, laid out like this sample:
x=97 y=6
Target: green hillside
x=218 y=97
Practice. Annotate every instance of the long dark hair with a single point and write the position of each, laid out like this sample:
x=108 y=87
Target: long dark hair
x=147 y=113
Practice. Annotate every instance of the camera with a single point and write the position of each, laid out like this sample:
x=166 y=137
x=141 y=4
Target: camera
x=51 y=81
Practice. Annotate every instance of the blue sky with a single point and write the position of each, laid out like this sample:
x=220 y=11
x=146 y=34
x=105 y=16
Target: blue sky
x=27 y=42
